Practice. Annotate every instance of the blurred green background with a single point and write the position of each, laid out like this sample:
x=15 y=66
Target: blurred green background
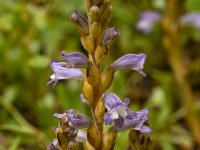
x=32 y=32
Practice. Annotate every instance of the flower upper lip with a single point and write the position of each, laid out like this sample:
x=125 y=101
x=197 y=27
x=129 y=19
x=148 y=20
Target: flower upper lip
x=130 y=61
x=70 y=68
x=75 y=59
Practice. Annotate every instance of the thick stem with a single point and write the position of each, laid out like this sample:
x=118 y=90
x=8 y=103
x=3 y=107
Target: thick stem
x=99 y=14
x=173 y=48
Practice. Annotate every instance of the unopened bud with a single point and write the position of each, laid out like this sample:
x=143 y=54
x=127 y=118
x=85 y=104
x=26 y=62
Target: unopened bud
x=81 y=22
x=94 y=13
x=94 y=9
x=109 y=35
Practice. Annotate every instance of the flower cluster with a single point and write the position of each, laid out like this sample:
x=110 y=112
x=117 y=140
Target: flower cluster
x=117 y=113
x=106 y=108
x=71 y=128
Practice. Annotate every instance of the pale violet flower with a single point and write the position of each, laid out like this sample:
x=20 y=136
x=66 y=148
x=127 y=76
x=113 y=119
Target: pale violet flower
x=192 y=19
x=60 y=72
x=77 y=121
x=130 y=61
x=137 y=123
x=122 y=117
x=75 y=60
x=147 y=20
x=72 y=126
x=117 y=110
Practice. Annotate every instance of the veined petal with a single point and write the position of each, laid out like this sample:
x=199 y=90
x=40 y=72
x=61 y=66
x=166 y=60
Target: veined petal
x=107 y=118
x=136 y=123
x=61 y=73
x=130 y=61
x=78 y=120
x=75 y=60
x=111 y=101
x=117 y=110
x=59 y=116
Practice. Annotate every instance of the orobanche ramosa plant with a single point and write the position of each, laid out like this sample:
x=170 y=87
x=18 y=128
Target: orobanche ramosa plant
x=106 y=108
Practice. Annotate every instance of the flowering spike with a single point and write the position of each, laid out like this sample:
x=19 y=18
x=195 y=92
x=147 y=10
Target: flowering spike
x=130 y=61
x=75 y=60
x=96 y=39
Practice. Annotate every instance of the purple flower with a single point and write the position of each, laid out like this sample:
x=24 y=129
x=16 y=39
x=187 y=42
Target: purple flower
x=75 y=60
x=147 y=20
x=117 y=110
x=137 y=123
x=192 y=19
x=70 y=127
x=130 y=61
x=60 y=72
x=77 y=121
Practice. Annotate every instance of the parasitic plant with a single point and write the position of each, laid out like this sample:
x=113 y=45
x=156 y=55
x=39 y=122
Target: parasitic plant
x=106 y=108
